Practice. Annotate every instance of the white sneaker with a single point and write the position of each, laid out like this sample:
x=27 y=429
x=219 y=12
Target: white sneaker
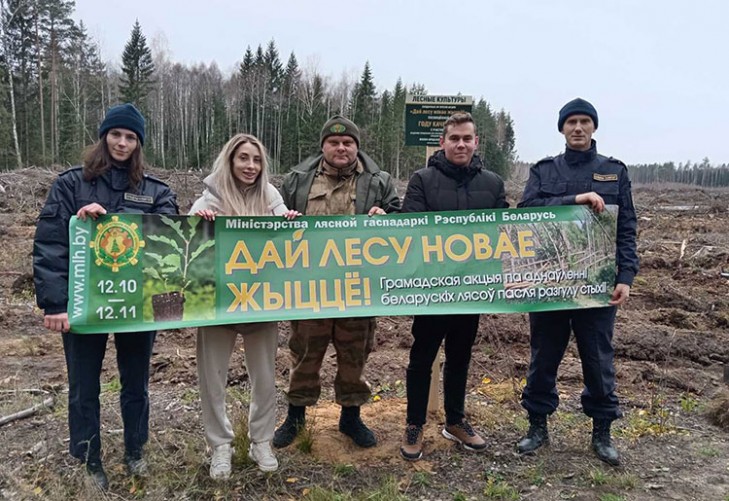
x=263 y=456
x=220 y=462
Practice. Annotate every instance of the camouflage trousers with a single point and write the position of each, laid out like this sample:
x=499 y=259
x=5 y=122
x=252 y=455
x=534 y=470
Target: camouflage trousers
x=353 y=339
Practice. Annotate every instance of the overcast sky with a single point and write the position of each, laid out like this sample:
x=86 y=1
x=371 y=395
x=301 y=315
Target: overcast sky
x=656 y=70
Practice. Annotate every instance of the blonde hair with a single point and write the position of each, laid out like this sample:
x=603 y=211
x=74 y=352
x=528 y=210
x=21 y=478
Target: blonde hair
x=236 y=198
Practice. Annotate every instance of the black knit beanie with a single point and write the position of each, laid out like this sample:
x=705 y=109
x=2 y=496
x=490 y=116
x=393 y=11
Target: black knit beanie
x=577 y=106
x=339 y=126
x=123 y=116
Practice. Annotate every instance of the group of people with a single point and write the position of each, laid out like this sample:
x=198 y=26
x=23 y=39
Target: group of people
x=340 y=180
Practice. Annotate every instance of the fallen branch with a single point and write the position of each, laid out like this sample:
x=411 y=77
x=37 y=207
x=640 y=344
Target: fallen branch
x=48 y=402
x=34 y=391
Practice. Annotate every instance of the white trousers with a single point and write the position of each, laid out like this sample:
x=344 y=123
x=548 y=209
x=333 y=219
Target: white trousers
x=214 y=347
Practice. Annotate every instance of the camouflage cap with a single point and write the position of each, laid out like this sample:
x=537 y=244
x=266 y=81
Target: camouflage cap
x=339 y=126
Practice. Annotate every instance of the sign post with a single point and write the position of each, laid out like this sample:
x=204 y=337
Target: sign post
x=425 y=116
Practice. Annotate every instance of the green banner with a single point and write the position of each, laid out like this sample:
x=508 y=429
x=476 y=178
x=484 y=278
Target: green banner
x=134 y=272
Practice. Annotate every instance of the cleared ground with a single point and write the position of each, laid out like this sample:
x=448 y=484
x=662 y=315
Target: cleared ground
x=672 y=343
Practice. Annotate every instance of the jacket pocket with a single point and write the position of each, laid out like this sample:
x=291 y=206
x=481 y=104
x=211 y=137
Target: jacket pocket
x=129 y=207
x=554 y=189
x=49 y=210
x=605 y=187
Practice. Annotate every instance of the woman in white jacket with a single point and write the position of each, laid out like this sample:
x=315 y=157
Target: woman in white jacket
x=238 y=186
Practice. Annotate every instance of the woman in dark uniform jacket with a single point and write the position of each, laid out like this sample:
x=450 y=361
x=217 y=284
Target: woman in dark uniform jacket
x=111 y=180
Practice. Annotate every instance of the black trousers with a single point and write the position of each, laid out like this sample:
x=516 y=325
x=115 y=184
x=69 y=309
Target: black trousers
x=550 y=334
x=84 y=357
x=429 y=331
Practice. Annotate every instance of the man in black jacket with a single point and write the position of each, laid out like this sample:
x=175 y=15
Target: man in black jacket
x=455 y=179
x=580 y=176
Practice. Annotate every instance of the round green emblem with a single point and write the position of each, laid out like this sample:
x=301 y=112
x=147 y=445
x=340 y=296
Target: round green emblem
x=116 y=244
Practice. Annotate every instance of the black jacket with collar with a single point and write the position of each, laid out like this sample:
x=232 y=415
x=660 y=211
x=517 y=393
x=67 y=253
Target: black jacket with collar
x=69 y=193
x=442 y=186
x=558 y=180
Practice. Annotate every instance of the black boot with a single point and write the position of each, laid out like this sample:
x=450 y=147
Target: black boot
x=537 y=435
x=136 y=464
x=98 y=475
x=295 y=421
x=351 y=425
x=601 y=443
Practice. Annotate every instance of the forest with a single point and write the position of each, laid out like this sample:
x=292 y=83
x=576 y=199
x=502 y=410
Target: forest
x=55 y=88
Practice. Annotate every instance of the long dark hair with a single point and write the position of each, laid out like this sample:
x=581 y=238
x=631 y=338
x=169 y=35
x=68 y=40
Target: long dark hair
x=97 y=160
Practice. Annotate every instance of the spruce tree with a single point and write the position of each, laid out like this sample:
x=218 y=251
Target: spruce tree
x=137 y=69
x=290 y=135
x=363 y=105
x=364 y=108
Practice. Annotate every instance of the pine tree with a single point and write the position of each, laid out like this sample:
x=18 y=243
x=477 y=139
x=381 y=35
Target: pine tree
x=22 y=50
x=313 y=113
x=137 y=69
x=399 y=97
x=83 y=78
x=291 y=132
x=363 y=99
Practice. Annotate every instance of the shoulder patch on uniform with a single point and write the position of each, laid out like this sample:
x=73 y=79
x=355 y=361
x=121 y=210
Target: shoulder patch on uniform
x=72 y=169
x=155 y=179
x=543 y=160
x=617 y=161
x=605 y=177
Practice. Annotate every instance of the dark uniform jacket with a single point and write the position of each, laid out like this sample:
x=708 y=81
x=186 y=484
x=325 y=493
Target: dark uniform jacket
x=68 y=194
x=558 y=180
x=442 y=186
x=374 y=186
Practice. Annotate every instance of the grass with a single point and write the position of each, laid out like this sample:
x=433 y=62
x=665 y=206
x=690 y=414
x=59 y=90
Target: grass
x=421 y=479
x=179 y=461
x=241 y=441
x=190 y=396
x=112 y=386
x=305 y=438
x=656 y=421
x=387 y=491
x=344 y=470
x=623 y=481
x=535 y=475
x=239 y=394
x=497 y=488
x=688 y=403
x=708 y=451
x=323 y=494
x=598 y=477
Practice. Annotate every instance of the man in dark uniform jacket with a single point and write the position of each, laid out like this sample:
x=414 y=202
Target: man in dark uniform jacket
x=580 y=176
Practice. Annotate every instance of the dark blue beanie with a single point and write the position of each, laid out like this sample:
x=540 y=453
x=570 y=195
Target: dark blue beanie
x=577 y=106
x=123 y=116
